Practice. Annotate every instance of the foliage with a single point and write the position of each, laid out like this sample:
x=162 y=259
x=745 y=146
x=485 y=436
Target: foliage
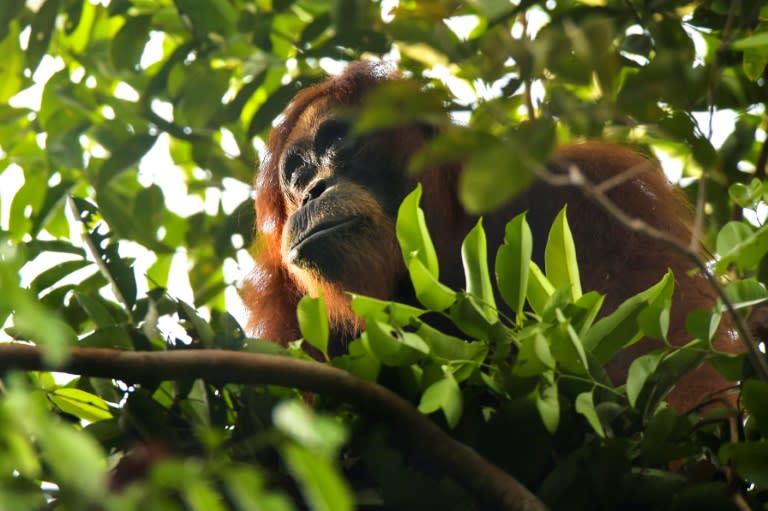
x=130 y=133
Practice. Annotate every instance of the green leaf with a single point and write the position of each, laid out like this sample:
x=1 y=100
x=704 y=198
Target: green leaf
x=620 y=328
x=11 y=72
x=64 y=448
x=271 y=108
x=313 y=322
x=41 y=30
x=661 y=441
x=229 y=333
x=746 y=293
x=125 y=156
x=468 y=315
x=114 y=336
x=754 y=396
x=121 y=277
x=37 y=247
x=703 y=324
x=534 y=356
x=511 y=161
x=359 y=361
x=429 y=291
x=748 y=460
x=443 y=395
x=585 y=405
x=24 y=456
x=245 y=486
x=200 y=101
x=200 y=326
x=29 y=196
x=463 y=357
x=54 y=197
x=55 y=274
x=201 y=495
x=671 y=368
x=91 y=19
x=315 y=29
x=731 y=235
x=319 y=481
x=492 y=9
x=512 y=263
x=9 y=10
x=547 y=403
x=479 y=188
x=560 y=257
x=654 y=319
x=396 y=103
x=393 y=347
x=474 y=255
x=738 y=244
x=741 y=194
x=759 y=40
x=149 y=209
x=209 y=17
x=129 y=42
x=566 y=346
x=41 y=325
x=729 y=365
x=583 y=312
x=160 y=270
x=324 y=435
x=397 y=314
x=81 y=404
x=639 y=371
x=262 y=346
x=754 y=62
x=539 y=290
x=746 y=196
x=413 y=235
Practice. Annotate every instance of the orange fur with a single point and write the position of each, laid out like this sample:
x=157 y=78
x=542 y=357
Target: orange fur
x=613 y=259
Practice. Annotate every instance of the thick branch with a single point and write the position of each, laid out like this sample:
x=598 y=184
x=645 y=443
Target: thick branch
x=426 y=439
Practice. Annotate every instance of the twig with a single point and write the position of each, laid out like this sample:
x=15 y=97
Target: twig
x=725 y=42
x=716 y=397
x=698 y=219
x=762 y=159
x=425 y=438
x=574 y=177
x=740 y=502
x=635 y=14
x=701 y=198
x=527 y=83
x=180 y=132
x=624 y=176
x=100 y=263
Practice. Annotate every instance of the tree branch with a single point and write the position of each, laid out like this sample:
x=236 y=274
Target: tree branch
x=574 y=177
x=423 y=437
x=85 y=236
x=762 y=159
x=522 y=18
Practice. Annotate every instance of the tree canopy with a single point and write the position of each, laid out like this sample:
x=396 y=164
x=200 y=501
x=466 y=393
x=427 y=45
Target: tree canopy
x=130 y=134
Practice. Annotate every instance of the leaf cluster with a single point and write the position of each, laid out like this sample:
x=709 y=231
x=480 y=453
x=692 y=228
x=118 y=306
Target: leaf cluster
x=129 y=134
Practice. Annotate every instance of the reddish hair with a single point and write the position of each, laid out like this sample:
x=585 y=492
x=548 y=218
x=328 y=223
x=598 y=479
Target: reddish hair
x=270 y=293
x=613 y=259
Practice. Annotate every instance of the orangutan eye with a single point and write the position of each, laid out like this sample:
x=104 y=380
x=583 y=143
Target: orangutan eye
x=330 y=134
x=292 y=166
